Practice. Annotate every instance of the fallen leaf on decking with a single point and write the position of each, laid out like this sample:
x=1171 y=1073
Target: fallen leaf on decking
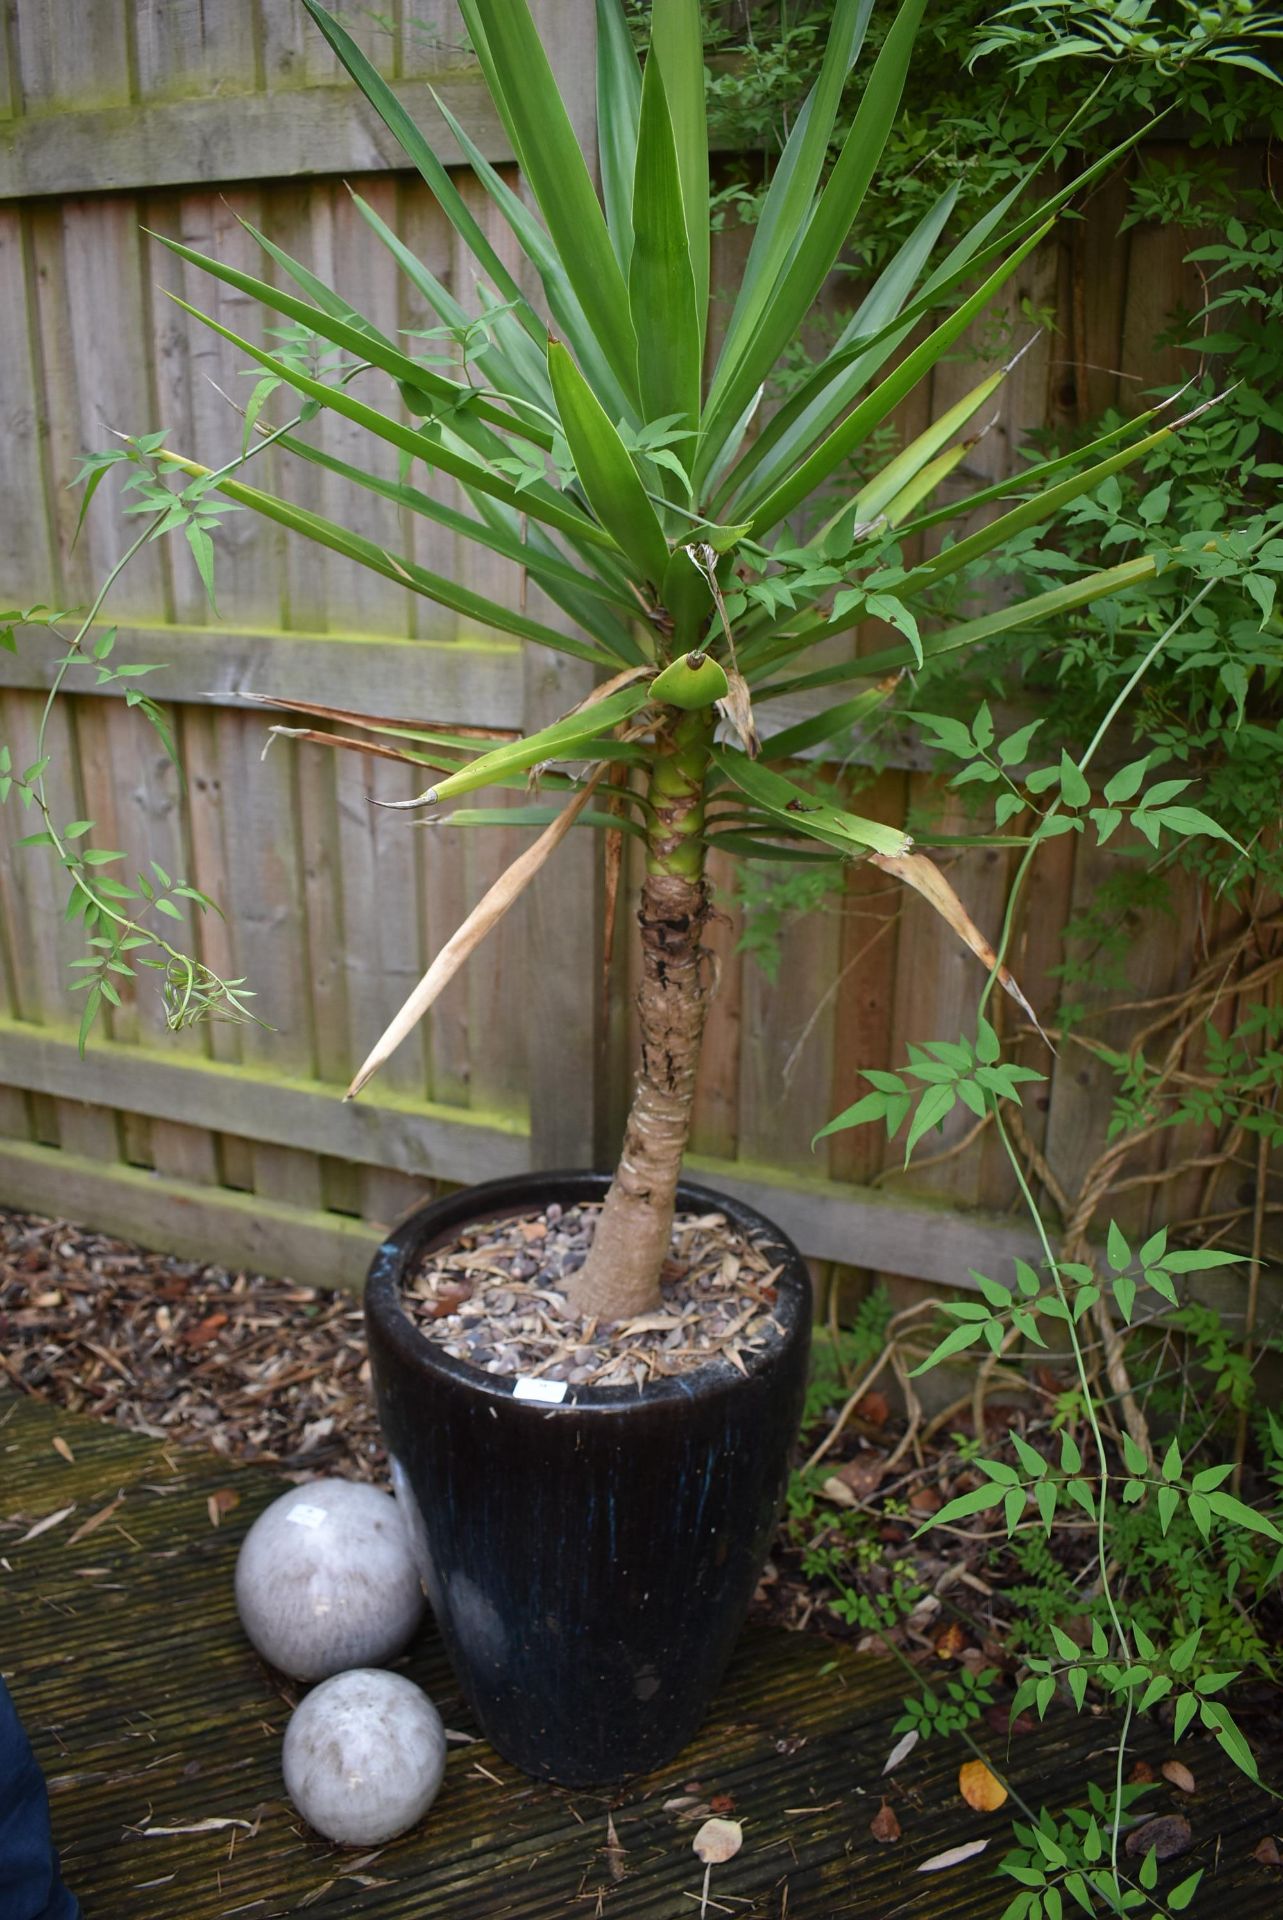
x=95 y=1520
x=615 y=1854
x=1266 y=1853
x=900 y=1751
x=60 y=1446
x=980 y=1788
x=220 y=1502
x=999 y=1718
x=43 y=1526
x=197 y=1826
x=954 y=1857
x=718 y=1840
x=884 y=1826
x=1169 y=1836
x=1179 y=1774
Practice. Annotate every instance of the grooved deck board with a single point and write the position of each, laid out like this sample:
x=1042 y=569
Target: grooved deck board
x=147 y=1708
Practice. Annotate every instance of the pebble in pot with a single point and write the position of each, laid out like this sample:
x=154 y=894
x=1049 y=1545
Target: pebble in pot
x=363 y=1757
x=326 y=1580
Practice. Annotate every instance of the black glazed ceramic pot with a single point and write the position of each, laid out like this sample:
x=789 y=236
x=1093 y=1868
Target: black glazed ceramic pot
x=589 y=1564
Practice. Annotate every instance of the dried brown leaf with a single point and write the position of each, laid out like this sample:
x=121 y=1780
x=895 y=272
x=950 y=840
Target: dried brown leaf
x=95 y=1520
x=373 y=749
x=873 y=1408
x=651 y=1323
x=1169 y=1836
x=1179 y=1775
x=203 y=1332
x=863 y=1474
x=884 y=1826
x=615 y=1854
x=220 y=1502
x=488 y=911
x=737 y=706
x=981 y=1789
x=925 y=877
x=1266 y=1853
x=999 y=1718
x=196 y=1826
x=351 y=719
x=60 y=1446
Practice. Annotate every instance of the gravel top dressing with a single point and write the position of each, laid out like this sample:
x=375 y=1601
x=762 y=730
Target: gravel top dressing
x=493 y=1296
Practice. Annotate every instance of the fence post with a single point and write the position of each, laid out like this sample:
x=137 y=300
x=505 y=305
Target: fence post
x=562 y=984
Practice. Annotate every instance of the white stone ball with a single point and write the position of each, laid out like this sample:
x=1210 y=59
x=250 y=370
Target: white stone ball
x=364 y=1756
x=325 y=1580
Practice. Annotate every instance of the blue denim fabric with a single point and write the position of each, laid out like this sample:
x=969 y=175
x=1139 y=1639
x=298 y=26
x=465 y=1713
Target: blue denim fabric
x=30 y=1881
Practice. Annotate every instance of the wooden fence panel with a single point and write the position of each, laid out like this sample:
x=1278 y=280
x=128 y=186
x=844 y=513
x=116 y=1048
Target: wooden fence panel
x=185 y=120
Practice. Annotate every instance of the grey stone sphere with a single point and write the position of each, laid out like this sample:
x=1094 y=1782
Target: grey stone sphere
x=325 y=1580
x=364 y=1756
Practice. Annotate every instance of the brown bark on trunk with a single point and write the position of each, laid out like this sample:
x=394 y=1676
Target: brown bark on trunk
x=620 y=1277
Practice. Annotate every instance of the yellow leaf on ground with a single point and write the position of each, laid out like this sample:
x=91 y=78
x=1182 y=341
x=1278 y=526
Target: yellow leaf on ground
x=980 y=1788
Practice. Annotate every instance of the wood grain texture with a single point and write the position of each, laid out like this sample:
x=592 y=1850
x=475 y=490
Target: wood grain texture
x=189 y=48
x=786 y=1072
x=264 y=903
x=163 y=1626
x=938 y=985
x=299 y=132
x=560 y=968
x=69 y=55
x=474 y=684
x=383 y=1129
x=868 y=964
x=246 y=1230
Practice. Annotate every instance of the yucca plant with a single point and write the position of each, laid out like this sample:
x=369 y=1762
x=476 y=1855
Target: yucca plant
x=698 y=553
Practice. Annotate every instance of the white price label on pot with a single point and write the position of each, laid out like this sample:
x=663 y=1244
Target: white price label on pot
x=305 y=1516
x=551 y=1392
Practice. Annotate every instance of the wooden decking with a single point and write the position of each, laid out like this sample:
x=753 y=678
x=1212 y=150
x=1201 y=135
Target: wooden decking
x=119 y=1639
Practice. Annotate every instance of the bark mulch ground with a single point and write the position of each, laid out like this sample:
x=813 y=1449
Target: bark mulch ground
x=261 y=1370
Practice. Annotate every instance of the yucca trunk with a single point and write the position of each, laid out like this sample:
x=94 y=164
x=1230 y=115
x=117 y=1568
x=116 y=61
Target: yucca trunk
x=620 y=1277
